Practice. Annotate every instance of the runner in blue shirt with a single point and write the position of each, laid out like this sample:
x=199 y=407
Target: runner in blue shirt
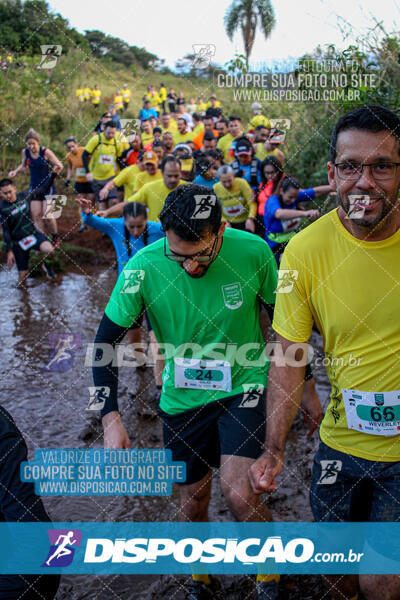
x=282 y=217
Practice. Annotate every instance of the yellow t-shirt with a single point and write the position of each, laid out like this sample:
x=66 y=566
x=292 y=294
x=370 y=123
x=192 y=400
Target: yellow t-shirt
x=104 y=153
x=163 y=94
x=154 y=100
x=126 y=95
x=224 y=144
x=202 y=107
x=236 y=203
x=96 y=96
x=182 y=138
x=147 y=138
x=198 y=128
x=217 y=104
x=118 y=101
x=350 y=288
x=127 y=178
x=172 y=127
x=86 y=93
x=143 y=177
x=153 y=195
x=79 y=94
x=259 y=120
x=262 y=152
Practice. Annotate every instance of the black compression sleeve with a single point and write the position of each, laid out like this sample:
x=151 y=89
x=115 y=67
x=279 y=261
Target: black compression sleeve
x=106 y=375
x=85 y=160
x=6 y=235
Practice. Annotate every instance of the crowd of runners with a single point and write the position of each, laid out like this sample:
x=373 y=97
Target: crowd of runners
x=209 y=231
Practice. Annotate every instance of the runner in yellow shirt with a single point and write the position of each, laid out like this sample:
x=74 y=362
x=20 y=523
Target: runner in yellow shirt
x=342 y=273
x=105 y=152
x=126 y=96
x=201 y=106
x=163 y=97
x=234 y=193
x=125 y=178
x=86 y=93
x=147 y=132
x=225 y=142
x=118 y=100
x=79 y=94
x=168 y=124
x=151 y=172
x=183 y=134
x=153 y=194
x=96 y=95
x=258 y=118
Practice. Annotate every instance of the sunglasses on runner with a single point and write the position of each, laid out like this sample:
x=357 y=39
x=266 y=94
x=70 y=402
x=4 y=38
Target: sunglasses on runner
x=201 y=257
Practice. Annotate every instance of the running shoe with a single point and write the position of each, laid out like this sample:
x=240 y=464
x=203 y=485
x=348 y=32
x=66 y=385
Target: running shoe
x=197 y=590
x=48 y=269
x=267 y=590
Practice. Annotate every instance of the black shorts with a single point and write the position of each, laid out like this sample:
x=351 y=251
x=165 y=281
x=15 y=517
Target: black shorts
x=22 y=256
x=200 y=436
x=83 y=187
x=98 y=184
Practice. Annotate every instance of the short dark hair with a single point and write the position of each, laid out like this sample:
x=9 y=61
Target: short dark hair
x=167 y=159
x=110 y=124
x=222 y=120
x=180 y=207
x=371 y=118
x=234 y=118
x=209 y=136
x=288 y=183
x=157 y=130
x=5 y=182
x=259 y=127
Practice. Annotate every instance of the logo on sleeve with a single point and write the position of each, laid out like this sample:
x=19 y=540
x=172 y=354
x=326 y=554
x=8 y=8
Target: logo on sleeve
x=233 y=296
x=133 y=280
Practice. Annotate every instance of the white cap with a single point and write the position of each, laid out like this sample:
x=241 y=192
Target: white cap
x=255 y=106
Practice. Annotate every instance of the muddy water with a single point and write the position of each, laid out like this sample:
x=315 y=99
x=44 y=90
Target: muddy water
x=49 y=409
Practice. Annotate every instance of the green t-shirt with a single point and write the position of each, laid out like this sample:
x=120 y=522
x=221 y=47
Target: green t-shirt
x=214 y=317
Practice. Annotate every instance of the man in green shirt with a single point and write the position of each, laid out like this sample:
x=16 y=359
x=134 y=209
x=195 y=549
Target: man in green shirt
x=202 y=287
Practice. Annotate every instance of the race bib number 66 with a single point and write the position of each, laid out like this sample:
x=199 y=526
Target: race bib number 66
x=377 y=413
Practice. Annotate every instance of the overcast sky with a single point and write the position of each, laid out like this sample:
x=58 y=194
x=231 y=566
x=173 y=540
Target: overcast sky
x=169 y=28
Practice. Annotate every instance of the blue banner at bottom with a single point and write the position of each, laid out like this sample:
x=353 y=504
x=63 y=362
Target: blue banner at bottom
x=185 y=548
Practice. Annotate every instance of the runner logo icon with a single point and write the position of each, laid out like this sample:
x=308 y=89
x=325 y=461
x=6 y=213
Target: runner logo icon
x=62 y=547
x=203 y=53
x=329 y=471
x=50 y=54
x=97 y=397
x=252 y=395
x=204 y=205
x=54 y=206
x=133 y=279
x=286 y=280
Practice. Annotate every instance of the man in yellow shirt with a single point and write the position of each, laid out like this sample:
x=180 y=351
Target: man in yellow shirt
x=104 y=153
x=168 y=124
x=87 y=93
x=234 y=193
x=79 y=94
x=225 y=143
x=126 y=96
x=258 y=118
x=183 y=134
x=96 y=95
x=118 y=100
x=163 y=97
x=153 y=194
x=147 y=132
x=201 y=106
x=151 y=172
x=343 y=272
x=125 y=178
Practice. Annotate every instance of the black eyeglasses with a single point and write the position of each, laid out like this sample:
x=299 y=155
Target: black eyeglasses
x=380 y=171
x=201 y=258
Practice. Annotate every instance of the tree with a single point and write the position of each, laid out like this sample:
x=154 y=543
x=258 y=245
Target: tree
x=246 y=15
